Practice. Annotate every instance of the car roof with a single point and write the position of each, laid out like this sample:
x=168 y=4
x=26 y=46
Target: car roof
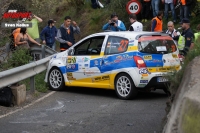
x=131 y=34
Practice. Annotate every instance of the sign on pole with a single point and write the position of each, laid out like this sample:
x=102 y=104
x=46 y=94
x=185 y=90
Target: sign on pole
x=133 y=6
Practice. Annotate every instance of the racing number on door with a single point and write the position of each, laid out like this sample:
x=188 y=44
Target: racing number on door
x=123 y=45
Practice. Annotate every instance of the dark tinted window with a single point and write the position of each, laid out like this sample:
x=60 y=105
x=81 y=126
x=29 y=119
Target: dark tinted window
x=91 y=46
x=156 y=44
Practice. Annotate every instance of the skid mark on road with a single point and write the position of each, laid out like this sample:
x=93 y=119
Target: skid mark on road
x=57 y=107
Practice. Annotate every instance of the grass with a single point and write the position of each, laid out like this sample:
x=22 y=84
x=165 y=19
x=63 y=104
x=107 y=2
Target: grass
x=40 y=85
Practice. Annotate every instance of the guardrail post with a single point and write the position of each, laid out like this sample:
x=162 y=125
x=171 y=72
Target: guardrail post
x=32 y=84
x=43 y=51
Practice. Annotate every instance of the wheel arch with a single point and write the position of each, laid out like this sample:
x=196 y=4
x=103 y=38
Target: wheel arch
x=115 y=78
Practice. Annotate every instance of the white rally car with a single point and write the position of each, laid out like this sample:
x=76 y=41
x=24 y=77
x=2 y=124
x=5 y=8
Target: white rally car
x=122 y=61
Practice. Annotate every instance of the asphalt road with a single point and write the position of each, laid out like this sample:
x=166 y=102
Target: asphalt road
x=89 y=111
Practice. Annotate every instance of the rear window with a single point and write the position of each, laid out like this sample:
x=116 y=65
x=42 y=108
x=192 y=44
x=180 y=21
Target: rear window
x=156 y=44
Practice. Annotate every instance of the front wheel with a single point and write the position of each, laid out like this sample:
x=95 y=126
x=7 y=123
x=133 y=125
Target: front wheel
x=124 y=87
x=55 y=79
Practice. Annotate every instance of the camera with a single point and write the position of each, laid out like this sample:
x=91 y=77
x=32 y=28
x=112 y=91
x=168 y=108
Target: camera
x=112 y=23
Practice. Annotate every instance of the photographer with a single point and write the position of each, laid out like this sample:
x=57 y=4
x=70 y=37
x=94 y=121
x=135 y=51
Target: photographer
x=114 y=24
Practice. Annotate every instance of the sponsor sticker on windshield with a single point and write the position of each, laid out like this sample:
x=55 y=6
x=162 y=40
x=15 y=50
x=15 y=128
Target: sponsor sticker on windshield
x=161 y=48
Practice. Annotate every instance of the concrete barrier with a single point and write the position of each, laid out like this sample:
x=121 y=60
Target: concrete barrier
x=19 y=93
x=184 y=116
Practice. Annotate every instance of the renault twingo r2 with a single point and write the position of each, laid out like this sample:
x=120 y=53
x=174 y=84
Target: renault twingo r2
x=122 y=61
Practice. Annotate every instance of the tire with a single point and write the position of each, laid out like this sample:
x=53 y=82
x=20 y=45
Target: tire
x=55 y=79
x=124 y=87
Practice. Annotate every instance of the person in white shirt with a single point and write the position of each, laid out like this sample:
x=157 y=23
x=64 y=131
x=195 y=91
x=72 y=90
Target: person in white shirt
x=135 y=25
x=172 y=31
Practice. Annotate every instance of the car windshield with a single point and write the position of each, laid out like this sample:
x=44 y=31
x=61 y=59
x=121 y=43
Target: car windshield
x=156 y=44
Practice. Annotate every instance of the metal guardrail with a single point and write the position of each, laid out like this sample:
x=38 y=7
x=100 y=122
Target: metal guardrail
x=17 y=74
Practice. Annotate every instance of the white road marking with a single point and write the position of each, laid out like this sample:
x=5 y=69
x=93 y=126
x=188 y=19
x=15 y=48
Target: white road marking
x=38 y=100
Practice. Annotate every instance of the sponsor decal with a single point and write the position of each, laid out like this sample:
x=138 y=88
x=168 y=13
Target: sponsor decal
x=85 y=59
x=88 y=73
x=119 y=57
x=171 y=60
x=147 y=57
x=161 y=48
x=143 y=81
x=70 y=76
x=127 y=57
x=154 y=61
x=103 y=78
x=72 y=67
x=174 y=56
x=131 y=44
x=71 y=59
x=144 y=71
x=86 y=65
x=96 y=63
x=122 y=58
x=145 y=75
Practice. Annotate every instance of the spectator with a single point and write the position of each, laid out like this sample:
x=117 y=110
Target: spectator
x=49 y=32
x=172 y=31
x=65 y=34
x=184 y=13
x=169 y=3
x=146 y=4
x=114 y=24
x=197 y=36
x=23 y=39
x=135 y=25
x=15 y=33
x=34 y=31
x=155 y=7
x=188 y=36
x=157 y=22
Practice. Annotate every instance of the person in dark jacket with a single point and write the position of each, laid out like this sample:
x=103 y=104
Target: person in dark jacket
x=48 y=34
x=188 y=35
x=65 y=34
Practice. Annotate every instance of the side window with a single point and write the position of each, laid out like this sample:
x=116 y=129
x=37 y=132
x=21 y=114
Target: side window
x=95 y=46
x=91 y=46
x=116 y=45
x=81 y=49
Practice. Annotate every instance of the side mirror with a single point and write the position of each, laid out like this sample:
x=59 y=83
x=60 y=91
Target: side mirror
x=71 y=52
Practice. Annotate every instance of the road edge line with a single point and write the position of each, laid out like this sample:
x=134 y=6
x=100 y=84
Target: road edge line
x=36 y=101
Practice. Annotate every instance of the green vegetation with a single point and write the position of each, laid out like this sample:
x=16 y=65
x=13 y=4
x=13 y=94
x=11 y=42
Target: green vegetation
x=18 y=58
x=191 y=118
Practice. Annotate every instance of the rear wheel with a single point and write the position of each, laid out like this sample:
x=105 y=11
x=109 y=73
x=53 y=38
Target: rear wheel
x=55 y=79
x=124 y=87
